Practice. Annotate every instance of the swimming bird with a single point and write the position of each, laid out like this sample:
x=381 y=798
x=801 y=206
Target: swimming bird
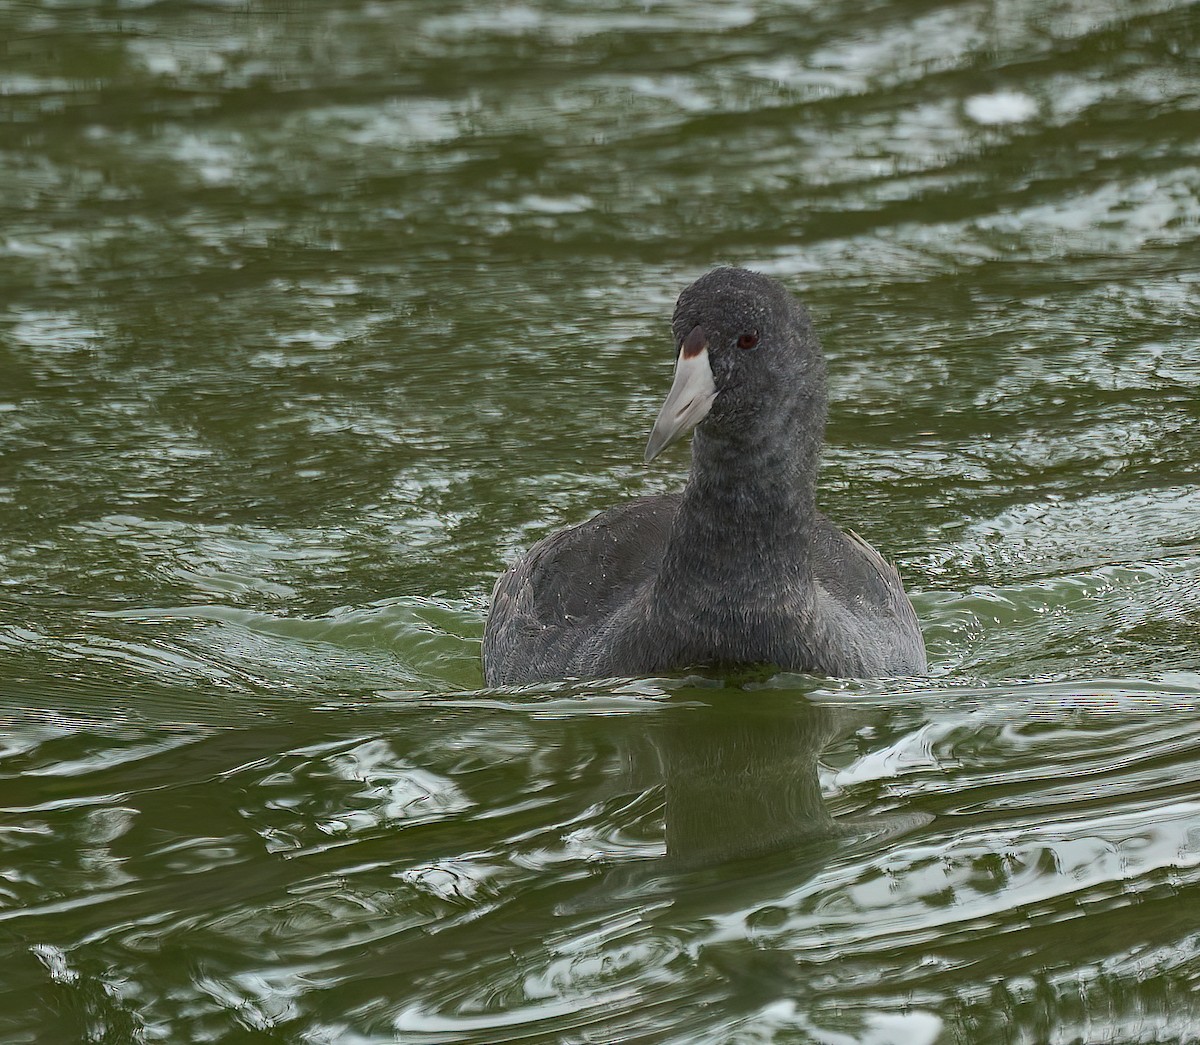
x=739 y=568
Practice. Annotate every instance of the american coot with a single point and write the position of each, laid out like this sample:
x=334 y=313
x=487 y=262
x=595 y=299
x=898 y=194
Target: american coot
x=740 y=568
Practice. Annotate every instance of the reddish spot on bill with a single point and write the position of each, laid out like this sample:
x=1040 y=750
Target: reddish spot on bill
x=695 y=343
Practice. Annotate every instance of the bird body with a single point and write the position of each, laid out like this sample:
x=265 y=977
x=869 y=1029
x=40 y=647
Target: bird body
x=737 y=569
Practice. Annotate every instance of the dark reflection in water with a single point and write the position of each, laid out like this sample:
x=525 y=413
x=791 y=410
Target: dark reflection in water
x=741 y=776
x=742 y=798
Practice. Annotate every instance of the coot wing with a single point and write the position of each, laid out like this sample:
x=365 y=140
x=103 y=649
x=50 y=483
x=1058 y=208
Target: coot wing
x=555 y=597
x=869 y=588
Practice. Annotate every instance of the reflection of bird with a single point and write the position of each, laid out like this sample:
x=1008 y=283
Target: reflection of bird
x=740 y=567
x=741 y=775
x=739 y=771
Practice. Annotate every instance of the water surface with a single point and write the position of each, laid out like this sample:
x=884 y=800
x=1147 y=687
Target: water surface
x=313 y=316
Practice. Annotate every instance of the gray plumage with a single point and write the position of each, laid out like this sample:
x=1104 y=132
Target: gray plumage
x=737 y=569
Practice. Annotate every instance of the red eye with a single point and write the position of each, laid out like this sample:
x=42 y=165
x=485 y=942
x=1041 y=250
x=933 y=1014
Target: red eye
x=748 y=339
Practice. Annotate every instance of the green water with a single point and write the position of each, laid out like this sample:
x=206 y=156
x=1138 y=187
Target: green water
x=312 y=316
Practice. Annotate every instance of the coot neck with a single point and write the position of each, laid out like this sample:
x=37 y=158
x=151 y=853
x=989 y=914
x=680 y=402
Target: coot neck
x=748 y=511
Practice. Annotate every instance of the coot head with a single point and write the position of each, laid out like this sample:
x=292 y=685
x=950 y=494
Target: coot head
x=747 y=360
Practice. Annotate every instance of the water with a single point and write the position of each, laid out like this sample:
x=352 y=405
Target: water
x=313 y=316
